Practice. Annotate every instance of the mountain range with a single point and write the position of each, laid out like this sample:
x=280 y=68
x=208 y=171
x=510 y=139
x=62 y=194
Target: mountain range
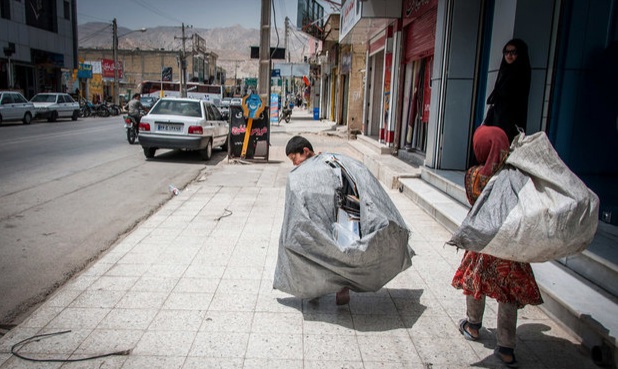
x=231 y=44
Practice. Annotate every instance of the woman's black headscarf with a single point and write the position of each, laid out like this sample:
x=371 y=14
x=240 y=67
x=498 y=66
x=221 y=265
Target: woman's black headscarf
x=510 y=95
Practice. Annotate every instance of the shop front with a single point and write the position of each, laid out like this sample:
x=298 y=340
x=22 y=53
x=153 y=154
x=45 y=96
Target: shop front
x=419 y=30
x=371 y=26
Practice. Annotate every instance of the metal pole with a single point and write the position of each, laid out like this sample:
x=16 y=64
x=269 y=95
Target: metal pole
x=287 y=54
x=10 y=72
x=115 y=47
x=183 y=65
x=264 y=74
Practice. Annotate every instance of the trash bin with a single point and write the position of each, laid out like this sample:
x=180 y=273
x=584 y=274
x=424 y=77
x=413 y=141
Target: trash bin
x=316 y=113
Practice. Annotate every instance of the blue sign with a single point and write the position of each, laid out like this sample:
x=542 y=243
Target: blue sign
x=274 y=108
x=84 y=71
x=275 y=73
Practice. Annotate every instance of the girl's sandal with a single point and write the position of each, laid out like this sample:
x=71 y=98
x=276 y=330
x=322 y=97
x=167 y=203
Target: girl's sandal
x=466 y=333
x=513 y=363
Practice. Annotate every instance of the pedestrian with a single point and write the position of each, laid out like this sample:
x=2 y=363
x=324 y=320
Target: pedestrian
x=509 y=99
x=479 y=275
x=340 y=229
x=299 y=149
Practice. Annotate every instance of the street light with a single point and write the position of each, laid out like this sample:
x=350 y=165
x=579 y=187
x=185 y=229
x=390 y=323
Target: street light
x=115 y=51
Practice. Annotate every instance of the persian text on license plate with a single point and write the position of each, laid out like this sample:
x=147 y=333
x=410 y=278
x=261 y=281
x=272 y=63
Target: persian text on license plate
x=169 y=127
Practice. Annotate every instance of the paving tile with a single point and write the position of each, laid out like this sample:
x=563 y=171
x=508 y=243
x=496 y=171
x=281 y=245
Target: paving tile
x=198 y=285
x=443 y=351
x=213 y=363
x=227 y=321
x=42 y=316
x=267 y=322
x=275 y=346
x=142 y=300
x=98 y=299
x=109 y=340
x=388 y=348
x=220 y=344
x=113 y=283
x=331 y=324
x=128 y=319
x=330 y=364
x=379 y=325
x=154 y=362
x=188 y=301
x=273 y=364
x=166 y=343
x=177 y=320
x=155 y=284
x=331 y=347
x=362 y=304
x=233 y=302
x=78 y=318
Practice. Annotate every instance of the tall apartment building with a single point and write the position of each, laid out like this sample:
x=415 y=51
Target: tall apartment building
x=39 y=41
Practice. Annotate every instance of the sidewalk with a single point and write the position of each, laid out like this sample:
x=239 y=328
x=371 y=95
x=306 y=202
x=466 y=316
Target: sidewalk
x=191 y=287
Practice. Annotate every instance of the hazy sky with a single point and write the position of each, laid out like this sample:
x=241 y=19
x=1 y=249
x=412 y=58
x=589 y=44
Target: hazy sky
x=134 y=14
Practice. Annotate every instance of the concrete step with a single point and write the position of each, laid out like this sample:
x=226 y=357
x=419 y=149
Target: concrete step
x=373 y=145
x=599 y=262
x=385 y=167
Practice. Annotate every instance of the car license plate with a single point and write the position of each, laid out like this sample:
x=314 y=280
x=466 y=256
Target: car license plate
x=161 y=127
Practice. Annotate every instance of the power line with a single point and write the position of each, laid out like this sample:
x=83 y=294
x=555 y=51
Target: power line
x=153 y=9
x=93 y=34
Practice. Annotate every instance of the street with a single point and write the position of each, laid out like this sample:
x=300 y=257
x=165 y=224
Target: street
x=68 y=191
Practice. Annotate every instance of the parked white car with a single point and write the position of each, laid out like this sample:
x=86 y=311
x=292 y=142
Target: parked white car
x=54 y=105
x=15 y=107
x=183 y=123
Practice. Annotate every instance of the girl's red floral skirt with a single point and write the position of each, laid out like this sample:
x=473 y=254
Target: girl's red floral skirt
x=504 y=280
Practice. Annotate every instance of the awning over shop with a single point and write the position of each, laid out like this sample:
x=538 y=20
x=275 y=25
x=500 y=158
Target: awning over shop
x=360 y=20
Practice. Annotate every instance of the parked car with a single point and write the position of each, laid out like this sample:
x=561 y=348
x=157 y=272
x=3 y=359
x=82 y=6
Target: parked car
x=15 y=107
x=148 y=101
x=183 y=123
x=54 y=105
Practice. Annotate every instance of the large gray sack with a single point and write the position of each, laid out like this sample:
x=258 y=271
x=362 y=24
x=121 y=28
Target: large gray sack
x=533 y=210
x=311 y=263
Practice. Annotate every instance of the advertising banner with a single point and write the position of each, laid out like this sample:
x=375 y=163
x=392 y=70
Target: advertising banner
x=107 y=66
x=274 y=108
x=258 y=139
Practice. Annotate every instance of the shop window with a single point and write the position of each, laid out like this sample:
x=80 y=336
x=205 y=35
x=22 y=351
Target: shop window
x=5 y=9
x=42 y=14
x=67 y=10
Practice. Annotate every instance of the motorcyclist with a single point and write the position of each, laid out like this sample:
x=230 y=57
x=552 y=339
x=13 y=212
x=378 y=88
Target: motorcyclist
x=135 y=107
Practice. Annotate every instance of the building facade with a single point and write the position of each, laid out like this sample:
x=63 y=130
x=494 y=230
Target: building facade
x=39 y=40
x=431 y=64
x=141 y=65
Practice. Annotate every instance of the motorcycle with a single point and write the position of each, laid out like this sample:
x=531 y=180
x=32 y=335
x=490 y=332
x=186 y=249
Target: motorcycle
x=86 y=108
x=286 y=113
x=132 y=127
x=101 y=110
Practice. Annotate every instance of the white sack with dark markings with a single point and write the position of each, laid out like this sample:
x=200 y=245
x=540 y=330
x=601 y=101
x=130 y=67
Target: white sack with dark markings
x=311 y=263
x=533 y=210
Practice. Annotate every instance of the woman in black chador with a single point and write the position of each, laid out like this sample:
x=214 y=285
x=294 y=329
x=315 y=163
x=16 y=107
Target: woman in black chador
x=510 y=95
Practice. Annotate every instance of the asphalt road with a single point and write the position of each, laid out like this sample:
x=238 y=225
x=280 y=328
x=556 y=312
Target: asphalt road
x=68 y=191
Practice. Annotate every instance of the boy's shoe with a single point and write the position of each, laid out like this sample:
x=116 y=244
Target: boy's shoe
x=504 y=357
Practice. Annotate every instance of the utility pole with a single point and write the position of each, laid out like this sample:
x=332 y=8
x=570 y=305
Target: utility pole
x=264 y=74
x=115 y=49
x=183 y=64
x=287 y=54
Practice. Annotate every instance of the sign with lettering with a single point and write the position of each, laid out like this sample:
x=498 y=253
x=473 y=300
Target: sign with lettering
x=107 y=68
